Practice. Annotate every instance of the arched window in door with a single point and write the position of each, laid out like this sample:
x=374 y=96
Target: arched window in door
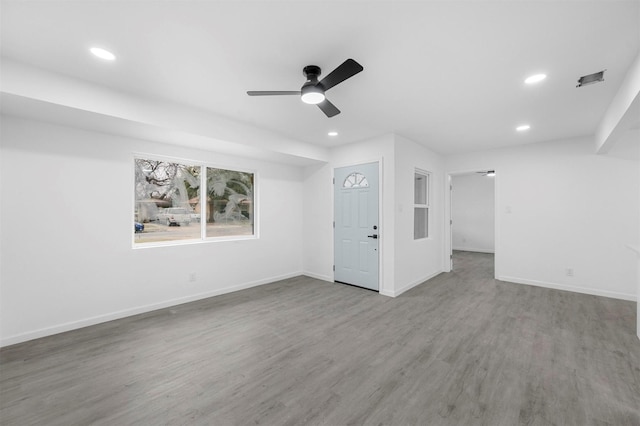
x=355 y=180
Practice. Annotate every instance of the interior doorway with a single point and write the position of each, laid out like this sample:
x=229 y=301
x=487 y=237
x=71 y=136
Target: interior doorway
x=472 y=213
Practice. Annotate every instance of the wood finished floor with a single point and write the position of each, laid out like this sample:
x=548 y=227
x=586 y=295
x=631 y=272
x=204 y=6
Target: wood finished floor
x=461 y=349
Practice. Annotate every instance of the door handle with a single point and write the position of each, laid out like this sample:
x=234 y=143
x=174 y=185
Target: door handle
x=374 y=236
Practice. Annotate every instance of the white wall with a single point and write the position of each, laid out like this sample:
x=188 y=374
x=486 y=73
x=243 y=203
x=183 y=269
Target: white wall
x=561 y=206
x=472 y=212
x=416 y=260
x=65 y=220
x=404 y=262
x=67 y=259
x=317 y=221
x=318 y=208
x=623 y=111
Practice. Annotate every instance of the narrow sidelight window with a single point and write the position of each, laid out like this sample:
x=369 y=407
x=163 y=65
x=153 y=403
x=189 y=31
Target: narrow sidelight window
x=421 y=205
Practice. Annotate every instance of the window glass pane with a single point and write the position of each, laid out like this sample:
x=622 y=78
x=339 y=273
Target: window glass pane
x=355 y=180
x=230 y=209
x=166 y=195
x=420 y=222
x=420 y=187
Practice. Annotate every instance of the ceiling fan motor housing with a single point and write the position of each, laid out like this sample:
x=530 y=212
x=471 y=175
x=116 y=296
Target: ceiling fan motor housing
x=312 y=72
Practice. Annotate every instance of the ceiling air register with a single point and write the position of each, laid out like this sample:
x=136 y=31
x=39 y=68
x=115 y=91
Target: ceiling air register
x=591 y=79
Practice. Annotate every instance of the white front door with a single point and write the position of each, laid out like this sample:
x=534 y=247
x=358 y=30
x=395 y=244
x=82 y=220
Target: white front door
x=356 y=234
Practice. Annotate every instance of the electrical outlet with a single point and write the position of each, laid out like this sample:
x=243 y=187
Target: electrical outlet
x=192 y=277
x=569 y=272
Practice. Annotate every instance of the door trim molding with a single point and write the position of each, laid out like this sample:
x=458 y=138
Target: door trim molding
x=448 y=240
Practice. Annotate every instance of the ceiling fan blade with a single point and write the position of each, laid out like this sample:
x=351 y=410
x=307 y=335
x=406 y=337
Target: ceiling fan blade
x=348 y=69
x=328 y=108
x=272 y=92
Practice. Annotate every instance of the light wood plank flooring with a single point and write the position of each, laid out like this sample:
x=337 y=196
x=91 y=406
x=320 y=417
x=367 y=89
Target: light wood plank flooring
x=460 y=349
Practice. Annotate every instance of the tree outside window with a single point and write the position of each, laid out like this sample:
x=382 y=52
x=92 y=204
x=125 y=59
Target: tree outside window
x=230 y=203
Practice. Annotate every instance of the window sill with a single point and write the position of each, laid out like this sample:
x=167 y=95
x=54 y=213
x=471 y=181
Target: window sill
x=137 y=246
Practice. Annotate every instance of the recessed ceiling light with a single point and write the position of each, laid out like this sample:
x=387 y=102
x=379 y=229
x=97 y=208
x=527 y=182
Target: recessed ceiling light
x=102 y=53
x=536 y=78
x=523 y=128
x=332 y=133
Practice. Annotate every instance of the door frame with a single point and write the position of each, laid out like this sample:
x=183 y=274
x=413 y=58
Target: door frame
x=448 y=237
x=381 y=223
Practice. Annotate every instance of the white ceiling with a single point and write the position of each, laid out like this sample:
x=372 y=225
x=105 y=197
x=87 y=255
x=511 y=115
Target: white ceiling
x=446 y=74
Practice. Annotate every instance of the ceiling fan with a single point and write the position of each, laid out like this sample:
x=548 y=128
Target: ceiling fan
x=312 y=92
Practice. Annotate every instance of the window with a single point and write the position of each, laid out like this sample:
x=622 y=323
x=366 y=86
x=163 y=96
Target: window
x=170 y=205
x=229 y=203
x=355 y=180
x=421 y=205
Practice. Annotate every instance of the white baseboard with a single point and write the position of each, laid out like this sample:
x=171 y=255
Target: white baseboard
x=476 y=250
x=73 y=325
x=407 y=287
x=318 y=276
x=575 y=289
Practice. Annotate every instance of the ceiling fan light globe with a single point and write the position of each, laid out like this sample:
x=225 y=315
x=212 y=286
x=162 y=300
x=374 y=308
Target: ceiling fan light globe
x=312 y=98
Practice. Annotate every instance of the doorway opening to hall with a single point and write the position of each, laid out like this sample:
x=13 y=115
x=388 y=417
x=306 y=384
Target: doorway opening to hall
x=473 y=222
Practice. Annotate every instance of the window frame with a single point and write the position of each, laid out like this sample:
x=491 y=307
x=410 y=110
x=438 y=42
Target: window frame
x=203 y=238
x=426 y=206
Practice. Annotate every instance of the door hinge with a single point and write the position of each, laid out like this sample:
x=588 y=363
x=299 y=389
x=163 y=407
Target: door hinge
x=334 y=268
x=334 y=181
x=334 y=224
x=451 y=256
x=450 y=221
